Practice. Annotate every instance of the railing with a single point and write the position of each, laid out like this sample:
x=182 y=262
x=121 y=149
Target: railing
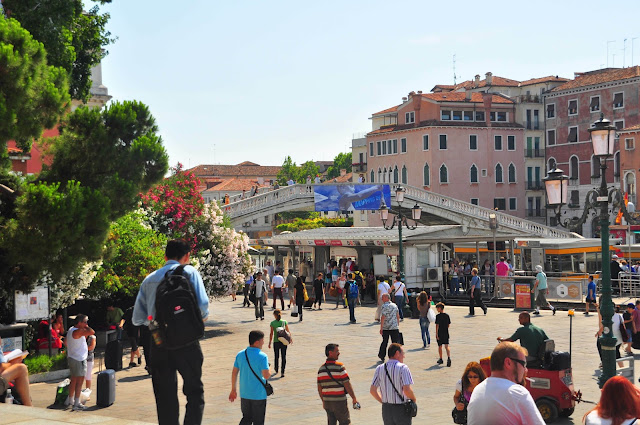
x=534 y=153
x=359 y=167
x=534 y=185
x=532 y=125
x=529 y=98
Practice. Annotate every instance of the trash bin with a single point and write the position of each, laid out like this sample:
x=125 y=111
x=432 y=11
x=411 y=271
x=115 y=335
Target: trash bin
x=413 y=304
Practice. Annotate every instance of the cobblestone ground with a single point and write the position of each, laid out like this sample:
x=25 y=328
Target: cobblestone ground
x=296 y=399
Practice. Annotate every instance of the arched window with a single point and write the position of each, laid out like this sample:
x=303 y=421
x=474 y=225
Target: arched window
x=616 y=164
x=390 y=176
x=426 y=175
x=395 y=174
x=573 y=168
x=595 y=166
x=551 y=164
x=512 y=173
x=499 y=176
x=473 y=174
x=373 y=176
x=405 y=178
x=379 y=175
x=630 y=185
x=444 y=174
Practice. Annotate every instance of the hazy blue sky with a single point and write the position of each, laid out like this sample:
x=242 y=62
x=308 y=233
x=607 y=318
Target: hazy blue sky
x=255 y=80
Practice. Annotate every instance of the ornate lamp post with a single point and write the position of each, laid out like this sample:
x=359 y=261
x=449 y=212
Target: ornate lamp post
x=603 y=136
x=400 y=220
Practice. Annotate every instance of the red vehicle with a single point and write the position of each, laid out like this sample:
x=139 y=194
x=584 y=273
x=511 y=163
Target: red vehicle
x=551 y=385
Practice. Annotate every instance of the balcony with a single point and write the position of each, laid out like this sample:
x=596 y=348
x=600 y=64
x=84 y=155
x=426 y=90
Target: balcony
x=359 y=167
x=534 y=185
x=529 y=98
x=534 y=153
x=536 y=212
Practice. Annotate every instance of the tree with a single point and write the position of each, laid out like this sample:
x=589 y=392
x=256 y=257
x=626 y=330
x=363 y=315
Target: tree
x=288 y=171
x=341 y=161
x=33 y=94
x=74 y=39
x=309 y=168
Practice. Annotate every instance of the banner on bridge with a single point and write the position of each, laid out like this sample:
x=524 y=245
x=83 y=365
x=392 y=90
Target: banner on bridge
x=351 y=197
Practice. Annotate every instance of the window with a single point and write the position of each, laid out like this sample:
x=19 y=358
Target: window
x=379 y=175
x=395 y=145
x=426 y=175
x=467 y=115
x=480 y=116
x=573 y=135
x=513 y=204
x=425 y=142
x=499 y=176
x=500 y=204
x=595 y=166
x=629 y=144
x=630 y=184
x=403 y=145
x=409 y=117
x=497 y=143
x=473 y=174
x=371 y=151
x=573 y=168
x=444 y=174
x=536 y=119
x=473 y=142
x=512 y=173
x=389 y=144
x=395 y=174
x=511 y=143
x=574 y=200
x=551 y=110
x=443 y=142
x=618 y=100
x=379 y=148
x=373 y=176
x=616 y=164
x=498 y=116
x=474 y=201
x=619 y=125
x=384 y=176
x=445 y=115
x=483 y=172
x=456 y=115
x=551 y=137
x=384 y=147
x=405 y=179
x=551 y=165
x=573 y=107
x=594 y=104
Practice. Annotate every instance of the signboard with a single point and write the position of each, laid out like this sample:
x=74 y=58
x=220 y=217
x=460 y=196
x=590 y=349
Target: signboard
x=32 y=306
x=381 y=265
x=523 y=296
x=350 y=197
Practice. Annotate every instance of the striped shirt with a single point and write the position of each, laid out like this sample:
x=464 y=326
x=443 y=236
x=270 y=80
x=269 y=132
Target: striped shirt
x=401 y=376
x=332 y=390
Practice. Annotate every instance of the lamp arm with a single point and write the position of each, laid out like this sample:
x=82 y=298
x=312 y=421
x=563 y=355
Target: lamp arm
x=616 y=199
x=590 y=208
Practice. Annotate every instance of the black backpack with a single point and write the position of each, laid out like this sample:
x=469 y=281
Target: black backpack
x=177 y=311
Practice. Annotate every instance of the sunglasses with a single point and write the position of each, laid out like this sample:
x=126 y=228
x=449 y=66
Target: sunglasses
x=522 y=362
x=473 y=377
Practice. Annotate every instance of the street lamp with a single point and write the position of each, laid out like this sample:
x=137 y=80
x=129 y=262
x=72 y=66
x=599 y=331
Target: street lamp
x=400 y=220
x=603 y=136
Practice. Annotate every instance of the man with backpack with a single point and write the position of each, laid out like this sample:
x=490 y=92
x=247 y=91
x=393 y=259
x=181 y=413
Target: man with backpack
x=173 y=302
x=352 y=297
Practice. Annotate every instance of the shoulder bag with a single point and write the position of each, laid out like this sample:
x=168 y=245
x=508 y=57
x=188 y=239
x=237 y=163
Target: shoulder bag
x=331 y=376
x=267 y=386
x=460 y=416
x=410 y=406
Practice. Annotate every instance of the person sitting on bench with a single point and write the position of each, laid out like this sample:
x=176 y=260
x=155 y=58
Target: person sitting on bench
x=531 y=337
x=17 y=372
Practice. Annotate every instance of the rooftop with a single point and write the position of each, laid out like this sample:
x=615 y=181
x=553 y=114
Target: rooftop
x=243 y=169
x=233 y=185
x=599 y=76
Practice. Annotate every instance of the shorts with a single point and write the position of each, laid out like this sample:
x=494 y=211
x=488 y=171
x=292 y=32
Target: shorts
x=590 y=300
x=629 y=335
x=77 y=367
x=443 y=341
x=541 y=299
x=87 y=375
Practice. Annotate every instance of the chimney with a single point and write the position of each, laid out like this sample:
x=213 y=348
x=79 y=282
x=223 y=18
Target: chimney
x=417 y=103
x=486 y=101
x=467 y=94
x=419 y=91
x=476 y=81
x=343 y=172
x=489 y=78
x=404 y=99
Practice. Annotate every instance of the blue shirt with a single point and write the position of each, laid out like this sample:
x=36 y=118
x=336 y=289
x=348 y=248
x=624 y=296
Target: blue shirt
x=591 y=290
x=146 y=301
x=542 y=280
x=250 y=388
x=476 y=282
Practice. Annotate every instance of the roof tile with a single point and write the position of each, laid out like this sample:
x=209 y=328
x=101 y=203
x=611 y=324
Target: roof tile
x=600 y=76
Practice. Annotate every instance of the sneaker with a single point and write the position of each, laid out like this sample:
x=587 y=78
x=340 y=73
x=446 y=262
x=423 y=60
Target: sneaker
x=79 y=407
x=448 y=362
x=536 y=312
x=282 y=375
x=319 y=308
x=67 y=402
x=439 y=361
x=485 y=311
x=586 y=313
x=132 y=364
x=554 y=310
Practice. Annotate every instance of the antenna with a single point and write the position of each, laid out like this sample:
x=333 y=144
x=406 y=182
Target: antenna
x=634 y=38
x=609 y=42
x=613 y=63
x=454 y=69
x=624 y=52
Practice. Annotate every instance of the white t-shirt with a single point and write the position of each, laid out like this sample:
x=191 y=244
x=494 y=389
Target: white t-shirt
x=383 y=287
x=594 y=419
x=399 y=288
x=341 y=283
x=277 y=281
x=77 y=348
x=498 y=401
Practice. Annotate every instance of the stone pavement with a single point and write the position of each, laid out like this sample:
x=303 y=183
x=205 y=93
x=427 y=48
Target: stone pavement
x=296 y=399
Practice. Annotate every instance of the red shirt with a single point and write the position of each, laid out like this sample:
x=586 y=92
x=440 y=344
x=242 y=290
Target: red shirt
x=502 y=269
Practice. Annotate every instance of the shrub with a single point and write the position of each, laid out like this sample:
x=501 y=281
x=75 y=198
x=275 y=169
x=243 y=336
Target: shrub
x=44 y=363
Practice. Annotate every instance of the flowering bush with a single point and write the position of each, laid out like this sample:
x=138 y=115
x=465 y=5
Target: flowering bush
x=66 y=290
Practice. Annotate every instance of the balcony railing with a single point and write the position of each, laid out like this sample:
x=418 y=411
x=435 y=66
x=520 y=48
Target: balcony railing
x=534 y=185
x=534 y=153
x=529 y=98
x=359 y=167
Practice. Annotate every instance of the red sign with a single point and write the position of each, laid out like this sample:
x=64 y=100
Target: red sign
x=319 y=242
x=523 y=296
x=336 y=243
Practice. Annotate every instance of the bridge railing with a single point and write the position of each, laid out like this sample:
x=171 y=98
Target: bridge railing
x=267 y=199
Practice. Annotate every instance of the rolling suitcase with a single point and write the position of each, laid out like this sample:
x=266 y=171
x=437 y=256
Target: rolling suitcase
x=560 y=360
x=113 y=355
x=106 y=388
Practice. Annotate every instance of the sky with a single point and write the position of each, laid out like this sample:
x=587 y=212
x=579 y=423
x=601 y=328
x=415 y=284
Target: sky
x=256 y=81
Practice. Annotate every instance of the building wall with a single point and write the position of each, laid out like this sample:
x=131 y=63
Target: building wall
x=630 y=165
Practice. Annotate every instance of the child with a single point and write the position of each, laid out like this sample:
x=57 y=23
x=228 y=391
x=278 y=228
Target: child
x=442 y=332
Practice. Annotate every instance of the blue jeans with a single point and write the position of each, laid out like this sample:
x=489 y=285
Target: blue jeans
x=400 y=304
x=352 y=308
x=424 y=331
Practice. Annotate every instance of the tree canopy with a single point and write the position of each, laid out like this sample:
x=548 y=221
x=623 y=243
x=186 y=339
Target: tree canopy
x=341 y=161
x=74 y=39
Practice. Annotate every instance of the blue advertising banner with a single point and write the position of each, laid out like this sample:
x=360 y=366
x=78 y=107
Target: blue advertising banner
x=350 y=197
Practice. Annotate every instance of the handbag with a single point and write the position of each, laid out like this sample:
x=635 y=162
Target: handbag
x=283 y=336
x=460 y=416
x=304 y=293
x=410 y=406
x=431 y=316
x=267 y=386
